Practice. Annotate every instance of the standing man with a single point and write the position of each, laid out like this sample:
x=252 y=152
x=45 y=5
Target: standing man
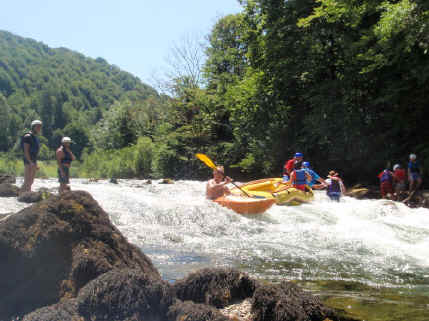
x=64 y=160
x=30 y=145
x=414 y=173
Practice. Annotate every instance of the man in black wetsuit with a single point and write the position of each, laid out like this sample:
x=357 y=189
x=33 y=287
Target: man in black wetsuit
x=30 y=145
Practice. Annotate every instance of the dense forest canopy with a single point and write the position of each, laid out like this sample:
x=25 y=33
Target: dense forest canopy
x=346 y=82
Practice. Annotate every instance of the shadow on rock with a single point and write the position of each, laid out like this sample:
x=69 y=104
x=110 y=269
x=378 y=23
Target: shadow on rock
x=50 y=250
x=216 y=287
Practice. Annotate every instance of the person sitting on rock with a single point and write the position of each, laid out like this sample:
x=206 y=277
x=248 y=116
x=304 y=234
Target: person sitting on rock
x=64 y=159
x=386 y=184
x=216 y=187
x=335 y=187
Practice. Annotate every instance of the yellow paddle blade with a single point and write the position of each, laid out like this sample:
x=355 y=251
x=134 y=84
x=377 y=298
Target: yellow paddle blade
x=206 y=160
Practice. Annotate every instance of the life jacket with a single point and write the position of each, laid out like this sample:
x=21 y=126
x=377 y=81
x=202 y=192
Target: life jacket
x=334 y=187
x=34 y=145
x=386 y=176
x=67 y=157
x=300 y=177
x=414 y=167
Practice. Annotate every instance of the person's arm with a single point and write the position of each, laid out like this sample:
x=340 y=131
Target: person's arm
x=342 y=187
x=322 y=181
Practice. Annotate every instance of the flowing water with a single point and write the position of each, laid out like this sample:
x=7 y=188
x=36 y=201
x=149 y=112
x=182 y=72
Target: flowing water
x=376 y=243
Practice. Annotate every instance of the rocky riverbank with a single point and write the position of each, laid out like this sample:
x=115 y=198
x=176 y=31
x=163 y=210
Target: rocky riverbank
x=62 y=259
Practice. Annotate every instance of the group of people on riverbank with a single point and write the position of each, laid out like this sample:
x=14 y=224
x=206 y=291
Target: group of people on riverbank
x=393 y=184
x=30 y=145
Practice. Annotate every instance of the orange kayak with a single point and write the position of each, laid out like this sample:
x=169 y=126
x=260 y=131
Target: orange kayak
x=245 y=205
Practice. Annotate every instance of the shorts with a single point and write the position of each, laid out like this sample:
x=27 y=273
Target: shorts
x=415 y=176
x=300 y=187
x=334 y=196
x=33 y=159
x=66 y=178
x=386 y=188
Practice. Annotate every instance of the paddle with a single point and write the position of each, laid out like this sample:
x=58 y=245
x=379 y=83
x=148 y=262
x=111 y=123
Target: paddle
x=206 y=160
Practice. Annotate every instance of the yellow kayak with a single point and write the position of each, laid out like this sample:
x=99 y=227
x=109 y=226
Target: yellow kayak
x=274 y=188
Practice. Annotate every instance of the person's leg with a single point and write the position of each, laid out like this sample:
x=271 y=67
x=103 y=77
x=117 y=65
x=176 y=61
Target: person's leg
x=27 y=177
x=32 y=176
x=418 y=183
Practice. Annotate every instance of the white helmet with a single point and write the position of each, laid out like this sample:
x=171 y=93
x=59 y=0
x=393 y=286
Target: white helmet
x=396 y=167
x=413 y=156
x=36 y=122
x=66 y=140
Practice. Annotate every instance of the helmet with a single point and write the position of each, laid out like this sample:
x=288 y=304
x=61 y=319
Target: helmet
x=413 y=156
x=36 y=122
x=396 y=167
x=306 y=164
x=299 y=155
x=66 y=140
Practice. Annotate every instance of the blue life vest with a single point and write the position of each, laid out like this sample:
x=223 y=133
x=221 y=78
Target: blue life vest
x=386 y=176
x=300 y=177
x=34 y=146
x=414 y=167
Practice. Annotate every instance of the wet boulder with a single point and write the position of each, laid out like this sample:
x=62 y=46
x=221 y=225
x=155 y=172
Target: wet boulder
x=125 y=295
x=64 y=311
x=50 y=250
x=8 y=190
x=190 y=311
x=216 y=287
x=9 y=179
x=286 y=301
x=166 y=181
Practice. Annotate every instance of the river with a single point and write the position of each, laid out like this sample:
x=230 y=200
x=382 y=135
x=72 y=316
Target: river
x=376 y=243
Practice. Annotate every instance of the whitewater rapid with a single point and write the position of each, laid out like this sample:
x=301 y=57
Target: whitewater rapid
x=376 y=242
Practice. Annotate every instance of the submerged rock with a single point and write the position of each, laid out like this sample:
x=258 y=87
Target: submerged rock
x=8 y=190
x=5 y=178
x=50 y=250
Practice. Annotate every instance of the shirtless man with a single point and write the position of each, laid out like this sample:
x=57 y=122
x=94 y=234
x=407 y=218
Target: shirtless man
x=216 y=187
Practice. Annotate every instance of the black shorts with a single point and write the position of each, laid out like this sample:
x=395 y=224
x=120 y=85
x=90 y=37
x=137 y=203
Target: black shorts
x=33 y=159
x=66 y=178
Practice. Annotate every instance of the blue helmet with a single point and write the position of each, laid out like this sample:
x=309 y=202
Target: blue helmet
x=299 y=155
x=306 y=164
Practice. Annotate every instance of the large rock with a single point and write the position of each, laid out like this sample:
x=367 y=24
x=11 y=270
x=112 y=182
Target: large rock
x=50 y=250
x=8 y=190
x=216 y=287
x=189 y=311
x=125 y=295
x=64 y=311
x=10 y=179
x=287 y=302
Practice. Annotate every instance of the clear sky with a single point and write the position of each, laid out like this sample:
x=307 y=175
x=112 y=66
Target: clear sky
x=135 y=35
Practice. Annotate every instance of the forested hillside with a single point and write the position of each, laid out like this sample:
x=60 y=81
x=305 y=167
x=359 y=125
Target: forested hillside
x=66 y=90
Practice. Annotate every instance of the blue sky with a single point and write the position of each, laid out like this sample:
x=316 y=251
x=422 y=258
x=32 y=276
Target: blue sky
x=135 y=35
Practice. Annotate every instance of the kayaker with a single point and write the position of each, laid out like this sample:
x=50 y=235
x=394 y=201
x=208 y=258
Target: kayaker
x=30 y=145
x=335 y=187
x=386 y=184
x=216 y=187
x=289 y=165
x=414 y=173
x=64 y=159
x=315 y=178
x=300 y=177
x=399 y=180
